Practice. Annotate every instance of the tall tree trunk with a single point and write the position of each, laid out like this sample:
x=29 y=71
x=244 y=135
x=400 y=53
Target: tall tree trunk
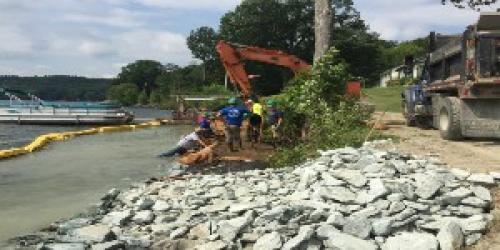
x=322 y=27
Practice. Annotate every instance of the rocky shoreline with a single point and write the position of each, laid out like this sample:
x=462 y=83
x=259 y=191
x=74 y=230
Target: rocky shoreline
x=346 y=199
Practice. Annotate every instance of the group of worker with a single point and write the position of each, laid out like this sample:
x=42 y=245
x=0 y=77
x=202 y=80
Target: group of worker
x=233 y=115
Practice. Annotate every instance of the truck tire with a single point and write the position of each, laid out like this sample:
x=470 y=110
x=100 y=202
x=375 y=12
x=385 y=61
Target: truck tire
x=449 y=119
x=408 y=120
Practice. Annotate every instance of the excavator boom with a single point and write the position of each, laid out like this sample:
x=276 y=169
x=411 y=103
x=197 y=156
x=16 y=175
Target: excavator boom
x=233 y=57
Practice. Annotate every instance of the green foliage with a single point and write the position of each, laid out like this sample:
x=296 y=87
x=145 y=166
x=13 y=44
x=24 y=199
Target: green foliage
x=364 y=51
x=124 y=93
x=142 y=99
x=59 y=88
x=161 y=82
x=214 y=89
x=155 y=98
x=142 y=73
x=201 y=42
x=395 y=55
x=317 y=101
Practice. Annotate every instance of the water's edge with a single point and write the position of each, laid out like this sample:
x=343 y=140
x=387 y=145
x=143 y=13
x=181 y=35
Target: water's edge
x=65 y=178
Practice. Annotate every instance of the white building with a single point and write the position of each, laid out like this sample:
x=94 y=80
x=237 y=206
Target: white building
x=398 y=73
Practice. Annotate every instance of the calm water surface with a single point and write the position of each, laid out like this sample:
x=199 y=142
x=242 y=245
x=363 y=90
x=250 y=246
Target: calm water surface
x=66 y=177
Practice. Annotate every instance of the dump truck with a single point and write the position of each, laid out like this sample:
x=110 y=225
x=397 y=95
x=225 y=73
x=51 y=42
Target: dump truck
x=458 y=92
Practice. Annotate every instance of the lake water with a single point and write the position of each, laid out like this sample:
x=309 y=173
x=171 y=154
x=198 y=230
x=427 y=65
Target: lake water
x=67 y=177
x=13 y=135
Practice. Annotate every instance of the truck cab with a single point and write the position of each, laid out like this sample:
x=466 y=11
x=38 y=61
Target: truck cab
x=459 y=90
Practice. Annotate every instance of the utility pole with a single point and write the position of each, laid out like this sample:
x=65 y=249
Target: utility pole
x=323 y=17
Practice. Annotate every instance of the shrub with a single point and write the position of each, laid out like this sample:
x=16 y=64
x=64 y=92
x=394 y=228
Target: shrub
x=315 y=101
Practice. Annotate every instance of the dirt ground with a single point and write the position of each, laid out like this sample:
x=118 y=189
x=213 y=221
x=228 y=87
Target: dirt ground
x=249 y=156
x=255 y=152
x=471 y=155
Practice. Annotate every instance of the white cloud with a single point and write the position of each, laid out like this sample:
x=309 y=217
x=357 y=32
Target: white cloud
x=93 y=48
x=192 y=4
x=13 y=43
x=409 y=19
x=157 y=45
x=116 y=17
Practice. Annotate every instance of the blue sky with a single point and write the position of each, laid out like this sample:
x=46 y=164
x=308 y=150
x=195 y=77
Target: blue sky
x=97 y=37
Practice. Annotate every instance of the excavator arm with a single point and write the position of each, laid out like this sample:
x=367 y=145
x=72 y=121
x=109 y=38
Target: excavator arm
x=233 y=57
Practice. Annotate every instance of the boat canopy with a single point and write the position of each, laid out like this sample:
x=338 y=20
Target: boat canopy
x=15 y=101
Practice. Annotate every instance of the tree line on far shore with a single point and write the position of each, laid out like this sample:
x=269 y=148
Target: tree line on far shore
x=58 y=87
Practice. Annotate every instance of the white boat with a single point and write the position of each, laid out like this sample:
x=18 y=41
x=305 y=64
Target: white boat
x=37 y=111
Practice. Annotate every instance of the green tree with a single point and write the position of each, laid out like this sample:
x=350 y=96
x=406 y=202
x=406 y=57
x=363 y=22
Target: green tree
x=363 y=51
x=191 y=78
x=142 y=73
x=202 y=42
x=395 y=55
x=155 y=98
x=142 y=99
x=58 y=87
x=124 y=93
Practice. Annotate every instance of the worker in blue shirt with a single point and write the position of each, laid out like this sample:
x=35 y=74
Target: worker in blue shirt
x=233 y=118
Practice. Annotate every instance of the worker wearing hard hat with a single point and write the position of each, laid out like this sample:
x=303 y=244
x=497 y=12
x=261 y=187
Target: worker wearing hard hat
x=205 y=125
x=255 y=121
x=233 y=118
x=274 y=119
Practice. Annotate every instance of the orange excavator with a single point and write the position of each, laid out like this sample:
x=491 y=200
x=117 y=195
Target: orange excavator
x=233 y=57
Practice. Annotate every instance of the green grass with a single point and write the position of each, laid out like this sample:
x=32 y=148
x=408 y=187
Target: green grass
x=385 y=99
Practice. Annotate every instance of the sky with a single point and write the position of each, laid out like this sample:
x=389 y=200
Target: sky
x=95 y=38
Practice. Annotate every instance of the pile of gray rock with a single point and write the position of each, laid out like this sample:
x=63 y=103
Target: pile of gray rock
x=346 y=199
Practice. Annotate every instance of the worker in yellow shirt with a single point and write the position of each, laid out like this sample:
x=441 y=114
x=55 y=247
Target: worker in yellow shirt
x=255 y=121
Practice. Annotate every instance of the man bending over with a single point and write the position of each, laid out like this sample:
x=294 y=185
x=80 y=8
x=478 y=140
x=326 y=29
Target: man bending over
x=188 y=142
